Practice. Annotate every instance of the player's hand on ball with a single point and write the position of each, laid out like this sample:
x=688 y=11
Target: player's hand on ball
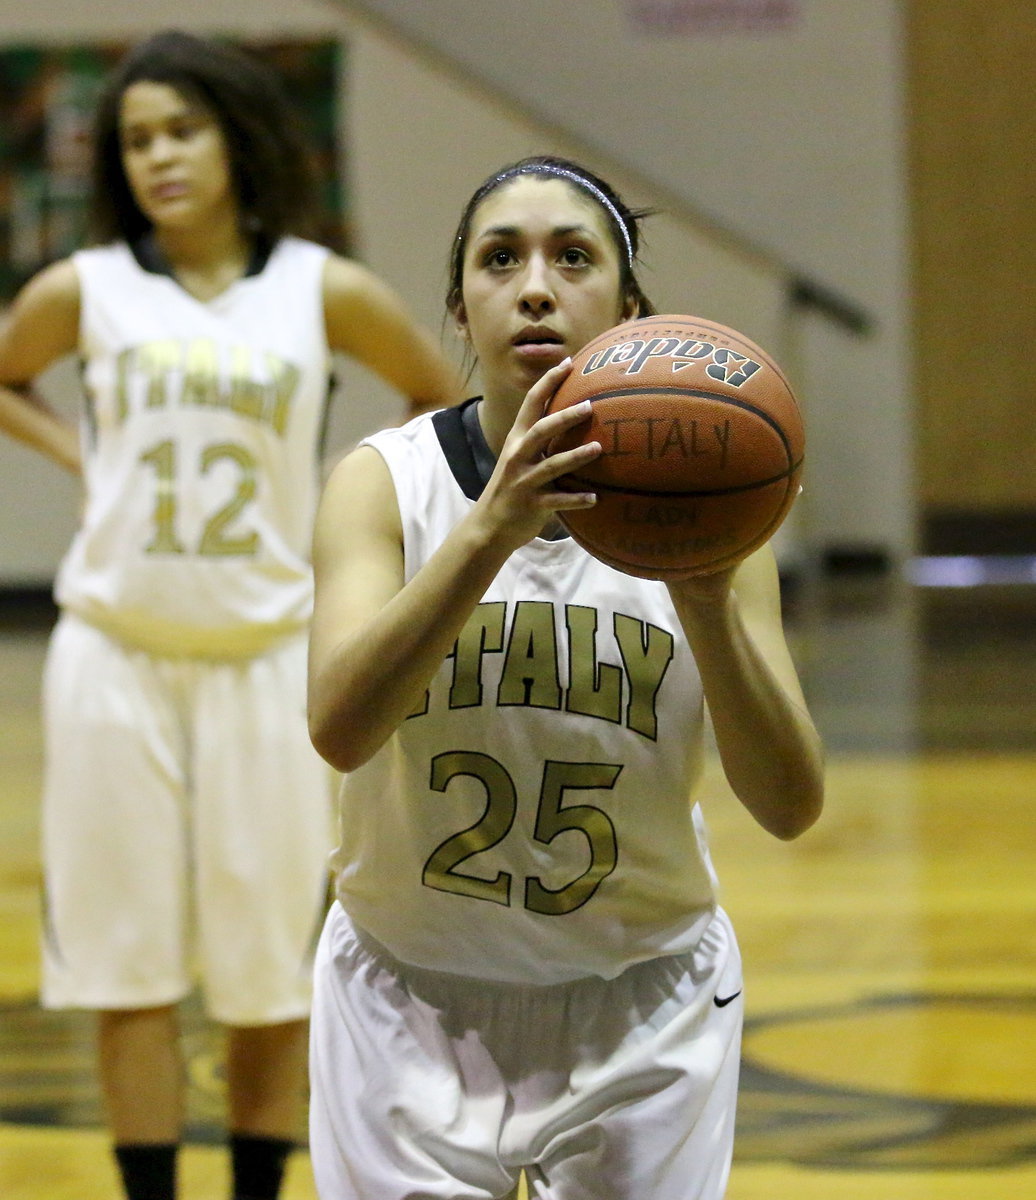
x=522 y=493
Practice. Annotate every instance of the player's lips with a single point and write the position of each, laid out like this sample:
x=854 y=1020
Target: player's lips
x=168 y=189
x=538 y=341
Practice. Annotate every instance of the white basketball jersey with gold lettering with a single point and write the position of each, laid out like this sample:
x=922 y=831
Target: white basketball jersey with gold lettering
x=533 y=822
x=201 y=438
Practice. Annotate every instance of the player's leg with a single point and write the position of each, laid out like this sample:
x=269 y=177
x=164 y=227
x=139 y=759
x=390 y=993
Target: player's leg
x=404 y=1099
x=654 y=1114
x=141 y=1074
x=262 y=839
x=266 y=1074
x=141 y=1077
x=266 y=1077
x=115 y=867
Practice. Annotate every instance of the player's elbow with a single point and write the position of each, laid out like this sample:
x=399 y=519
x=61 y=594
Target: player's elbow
x=337 y=754
x=351 y=715
x=332 y=740
x=800 y=811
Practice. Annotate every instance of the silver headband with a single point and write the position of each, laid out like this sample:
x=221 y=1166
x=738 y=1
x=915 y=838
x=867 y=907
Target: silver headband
x=579 y=181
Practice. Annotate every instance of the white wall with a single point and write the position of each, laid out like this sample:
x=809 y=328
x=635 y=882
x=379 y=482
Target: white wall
x=419 y=139
x=448 y=136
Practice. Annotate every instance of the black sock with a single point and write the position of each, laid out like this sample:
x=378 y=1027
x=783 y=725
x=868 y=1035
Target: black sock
x=148 y=1171
x=258 y=1165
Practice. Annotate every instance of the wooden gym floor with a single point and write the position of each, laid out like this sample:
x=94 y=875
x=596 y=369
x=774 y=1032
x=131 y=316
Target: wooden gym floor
x=890 y=1042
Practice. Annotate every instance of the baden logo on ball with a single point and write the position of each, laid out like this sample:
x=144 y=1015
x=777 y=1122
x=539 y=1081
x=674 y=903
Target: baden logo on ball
x=702 y=443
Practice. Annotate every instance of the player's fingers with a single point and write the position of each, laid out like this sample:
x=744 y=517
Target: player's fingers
x=566 y=501
x=556 y=480
x=541 y=391
x=568 y=461
x=537 y=442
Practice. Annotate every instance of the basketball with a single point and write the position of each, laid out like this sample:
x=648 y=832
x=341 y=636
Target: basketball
x=702 y=446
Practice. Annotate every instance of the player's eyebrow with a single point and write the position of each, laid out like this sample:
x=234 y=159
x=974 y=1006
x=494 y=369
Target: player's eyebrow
x=513 y=231
x=189 y=109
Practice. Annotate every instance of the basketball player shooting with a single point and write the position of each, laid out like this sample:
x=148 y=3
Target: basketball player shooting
x=526 y=967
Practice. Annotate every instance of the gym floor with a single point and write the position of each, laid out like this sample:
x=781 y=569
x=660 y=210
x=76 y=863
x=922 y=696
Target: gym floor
x=890 y=963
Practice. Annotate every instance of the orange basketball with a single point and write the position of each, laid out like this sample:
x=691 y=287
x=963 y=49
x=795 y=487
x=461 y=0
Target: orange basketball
x=702 y=446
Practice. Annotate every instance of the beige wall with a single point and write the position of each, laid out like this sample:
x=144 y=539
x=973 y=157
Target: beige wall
x=423 y=144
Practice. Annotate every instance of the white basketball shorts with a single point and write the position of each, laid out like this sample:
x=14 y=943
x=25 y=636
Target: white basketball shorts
x=186 y=830
x=428 y=1085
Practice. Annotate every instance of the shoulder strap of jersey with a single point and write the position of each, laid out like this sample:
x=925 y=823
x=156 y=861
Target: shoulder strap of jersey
x=456 y=446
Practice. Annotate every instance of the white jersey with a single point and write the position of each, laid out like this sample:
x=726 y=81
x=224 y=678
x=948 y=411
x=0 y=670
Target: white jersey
x=533 y=822
x=201 y=438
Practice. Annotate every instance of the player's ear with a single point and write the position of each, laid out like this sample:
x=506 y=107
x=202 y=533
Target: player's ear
x=630 y=306
x=460 y=319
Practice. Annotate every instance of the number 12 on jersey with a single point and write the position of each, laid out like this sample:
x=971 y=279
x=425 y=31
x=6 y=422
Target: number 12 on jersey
x=216 y=539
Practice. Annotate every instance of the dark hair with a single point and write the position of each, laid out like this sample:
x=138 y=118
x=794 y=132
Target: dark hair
x=623 y=222
x=271 y=168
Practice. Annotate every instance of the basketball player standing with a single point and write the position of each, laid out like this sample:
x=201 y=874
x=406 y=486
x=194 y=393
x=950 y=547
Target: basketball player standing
x=185 y=818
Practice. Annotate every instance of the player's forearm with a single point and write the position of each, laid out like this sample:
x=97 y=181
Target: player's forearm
x=770 y=750
x=27 y=419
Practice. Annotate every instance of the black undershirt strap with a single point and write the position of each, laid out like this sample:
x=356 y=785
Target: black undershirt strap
x=467 y=451
x=151 y=259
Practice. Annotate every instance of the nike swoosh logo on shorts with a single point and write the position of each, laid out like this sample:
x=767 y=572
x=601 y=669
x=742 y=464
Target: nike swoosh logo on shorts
x=723 y=1001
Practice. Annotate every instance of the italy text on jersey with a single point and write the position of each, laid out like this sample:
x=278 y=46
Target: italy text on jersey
x=532 y=669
